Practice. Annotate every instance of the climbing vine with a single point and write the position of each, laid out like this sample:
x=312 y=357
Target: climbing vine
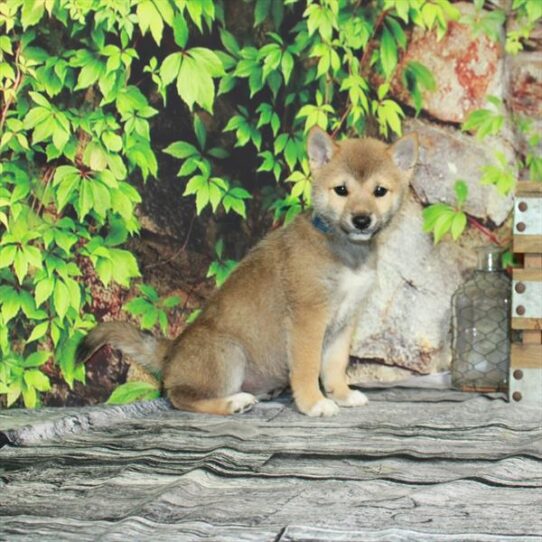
x=82 y=84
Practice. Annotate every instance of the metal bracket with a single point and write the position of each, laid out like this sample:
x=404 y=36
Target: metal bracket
x=528 y=215
x=527 y=299
x=525 y=386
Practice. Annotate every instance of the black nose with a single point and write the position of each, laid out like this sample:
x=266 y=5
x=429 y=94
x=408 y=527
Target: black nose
x=361 y=222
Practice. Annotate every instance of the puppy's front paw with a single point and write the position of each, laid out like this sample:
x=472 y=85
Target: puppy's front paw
x=324 y=407
x=353 y=399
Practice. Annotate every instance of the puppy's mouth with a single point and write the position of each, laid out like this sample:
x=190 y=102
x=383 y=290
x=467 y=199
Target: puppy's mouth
x=357 y=236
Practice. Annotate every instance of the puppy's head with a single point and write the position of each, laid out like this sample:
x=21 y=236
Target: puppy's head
x=358 y=184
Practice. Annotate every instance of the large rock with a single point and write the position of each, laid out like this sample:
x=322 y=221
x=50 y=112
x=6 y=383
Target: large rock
x=525 y=92
x=466 y=69
x=406 y=321
x=447 y=155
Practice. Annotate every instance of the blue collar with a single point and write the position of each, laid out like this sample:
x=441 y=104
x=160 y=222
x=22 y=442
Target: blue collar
x=320 y=224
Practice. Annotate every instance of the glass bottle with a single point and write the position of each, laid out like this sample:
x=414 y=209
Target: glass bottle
x=480 y=327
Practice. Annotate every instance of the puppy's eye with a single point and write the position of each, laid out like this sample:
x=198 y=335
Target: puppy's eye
x=380 y=191
x=341 y=190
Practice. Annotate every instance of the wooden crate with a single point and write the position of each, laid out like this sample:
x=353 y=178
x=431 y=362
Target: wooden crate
x=525 y=376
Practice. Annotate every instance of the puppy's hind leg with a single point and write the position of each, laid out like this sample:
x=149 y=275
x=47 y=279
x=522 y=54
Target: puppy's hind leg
x=206 y=375
x=237 y=403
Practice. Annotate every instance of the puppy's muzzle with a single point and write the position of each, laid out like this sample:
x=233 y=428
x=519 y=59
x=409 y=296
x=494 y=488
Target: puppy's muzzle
x=362 y=222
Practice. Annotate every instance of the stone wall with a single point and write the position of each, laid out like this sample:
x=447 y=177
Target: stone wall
x=404 y=327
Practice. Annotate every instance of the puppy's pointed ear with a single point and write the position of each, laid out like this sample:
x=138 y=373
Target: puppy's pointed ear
x=404 y=152
x=320 y=148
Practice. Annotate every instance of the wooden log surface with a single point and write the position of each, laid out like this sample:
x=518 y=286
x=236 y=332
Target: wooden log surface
x=422 y=465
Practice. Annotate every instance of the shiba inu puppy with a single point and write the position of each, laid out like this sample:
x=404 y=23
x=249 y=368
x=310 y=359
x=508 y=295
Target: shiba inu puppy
x=286 y=315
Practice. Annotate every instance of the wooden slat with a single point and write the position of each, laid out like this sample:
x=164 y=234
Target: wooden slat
x=527 y=243
x=532 y=261
x=532 y=337
x=527 y=275
x=526 y=323
x=524 y=188
x=526 y=356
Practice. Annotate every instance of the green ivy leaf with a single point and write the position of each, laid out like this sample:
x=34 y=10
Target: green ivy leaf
x=149 y=292
x=180 y=30
x=7 y=255
x=459 y=224
x=133 y=391
x=151 y=15
x=125 y=266
x=44 y=289
x=388 y=53
x=30 y=397
x=36 y=379
x=169 y=70
x=60 y=298
x=149 y=319
x=195 y=80
x=20 y=264
x=181 y=149
x=171 y=301
x=10 y=303
x=200 y=131
x=32 y=12
x=36 y=359
x=461 y=190
x=137 y=306
x=38 y=332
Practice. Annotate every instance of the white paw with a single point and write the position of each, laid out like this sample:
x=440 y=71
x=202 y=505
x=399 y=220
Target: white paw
x=355 y=398
x=241 y=402
x=324 y=407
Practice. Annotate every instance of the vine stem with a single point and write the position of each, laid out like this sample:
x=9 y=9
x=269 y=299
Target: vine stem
x=47 y=178
x=177 y=252
x=487 y=232
x=16 y=85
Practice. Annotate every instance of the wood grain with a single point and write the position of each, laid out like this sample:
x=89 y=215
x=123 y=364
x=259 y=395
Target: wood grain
x=525 y=188
x=527 y=275
x=527 y=243
x=532 y=336
x=526 y=355
x=527 y=323
x=422 y=465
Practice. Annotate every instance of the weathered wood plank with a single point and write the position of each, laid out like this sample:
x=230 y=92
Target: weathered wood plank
x=267 y=505
x=412 y=465
x=78 y=531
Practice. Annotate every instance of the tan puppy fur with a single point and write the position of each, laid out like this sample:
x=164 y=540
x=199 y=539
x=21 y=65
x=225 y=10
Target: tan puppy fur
x=287 y=313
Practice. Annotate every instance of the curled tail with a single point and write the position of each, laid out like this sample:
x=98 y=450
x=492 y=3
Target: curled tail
x=141 y=346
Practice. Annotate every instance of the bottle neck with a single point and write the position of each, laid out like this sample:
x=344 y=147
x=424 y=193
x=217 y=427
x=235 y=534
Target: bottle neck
x=489 y=260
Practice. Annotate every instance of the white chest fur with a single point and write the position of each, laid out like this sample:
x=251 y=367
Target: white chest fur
x=355 y=282
x=350 y=288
